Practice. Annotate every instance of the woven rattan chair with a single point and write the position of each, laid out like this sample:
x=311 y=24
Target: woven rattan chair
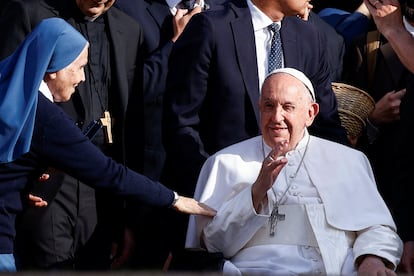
x=354 y=106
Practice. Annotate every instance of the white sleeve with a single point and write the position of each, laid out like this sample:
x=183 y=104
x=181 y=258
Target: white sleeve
x=381 y=241
x=234 y=225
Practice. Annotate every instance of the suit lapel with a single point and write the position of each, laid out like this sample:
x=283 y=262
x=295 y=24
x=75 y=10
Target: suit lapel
x=158 y=11
x=243 y=34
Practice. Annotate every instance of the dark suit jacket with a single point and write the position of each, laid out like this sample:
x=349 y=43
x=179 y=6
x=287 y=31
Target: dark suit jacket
x=335 y=46
x=212 y=93
x=59 y=143
x=155 y=18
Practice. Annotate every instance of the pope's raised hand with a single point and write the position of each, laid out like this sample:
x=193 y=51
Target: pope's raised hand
x=272 y=164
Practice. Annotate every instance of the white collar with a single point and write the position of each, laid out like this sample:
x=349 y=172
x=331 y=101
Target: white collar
x=44 y=89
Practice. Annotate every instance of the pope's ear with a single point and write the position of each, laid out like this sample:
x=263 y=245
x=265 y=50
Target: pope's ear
x=315 y=108
x=313 y=111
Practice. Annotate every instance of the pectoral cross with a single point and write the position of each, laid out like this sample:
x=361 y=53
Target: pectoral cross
x=274 y=218
x=106 y=123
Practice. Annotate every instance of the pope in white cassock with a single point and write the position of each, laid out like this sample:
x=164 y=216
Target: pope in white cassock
x=291 y=203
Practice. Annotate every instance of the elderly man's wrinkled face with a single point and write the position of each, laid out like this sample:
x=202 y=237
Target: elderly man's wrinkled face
x=286 y=109
x=62 y=83
x=94 y=8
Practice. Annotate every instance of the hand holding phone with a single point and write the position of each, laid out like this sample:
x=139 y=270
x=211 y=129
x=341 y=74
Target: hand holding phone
x=191 y=4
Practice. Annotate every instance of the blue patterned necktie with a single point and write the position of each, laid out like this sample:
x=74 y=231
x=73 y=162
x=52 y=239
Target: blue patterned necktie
x=275 y=55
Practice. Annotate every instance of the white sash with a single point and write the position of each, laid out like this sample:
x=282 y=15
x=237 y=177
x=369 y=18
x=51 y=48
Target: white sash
x=306 y=225
x=295 y=229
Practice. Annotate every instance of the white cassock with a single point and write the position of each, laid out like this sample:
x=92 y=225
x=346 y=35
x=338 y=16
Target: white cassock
x=333 y=211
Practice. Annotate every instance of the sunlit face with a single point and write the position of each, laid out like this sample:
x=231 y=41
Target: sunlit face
x=62 y=83
x=277 y=9
x=286 y=109
x=295 y=7
x=94 y=8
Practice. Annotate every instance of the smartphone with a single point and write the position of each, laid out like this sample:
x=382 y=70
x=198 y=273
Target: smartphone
x=91 y=130
x=191 y=4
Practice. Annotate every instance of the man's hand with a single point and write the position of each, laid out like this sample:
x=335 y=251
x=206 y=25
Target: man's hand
x=305 y=14
x=373 y=265
x=389 y=21
x=44 y=177
x=386 y=14
x=387 y=109
x=407 y=260
x=121 y=253
x=37 y=201
x=181 y=19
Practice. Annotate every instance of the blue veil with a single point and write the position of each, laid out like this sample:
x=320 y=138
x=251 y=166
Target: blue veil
x=50 y=47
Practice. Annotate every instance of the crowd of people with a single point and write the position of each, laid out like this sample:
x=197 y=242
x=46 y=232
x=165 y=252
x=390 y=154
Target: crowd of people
x=222 y=110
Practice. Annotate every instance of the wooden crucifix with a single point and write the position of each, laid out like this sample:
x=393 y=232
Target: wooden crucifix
x=106 y=123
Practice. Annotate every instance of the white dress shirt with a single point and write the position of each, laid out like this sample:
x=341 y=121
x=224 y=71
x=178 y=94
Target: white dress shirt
x=263 y=38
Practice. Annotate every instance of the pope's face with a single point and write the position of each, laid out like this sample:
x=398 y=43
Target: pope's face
x=94 y=8
x=286 y=109
x=62 y=83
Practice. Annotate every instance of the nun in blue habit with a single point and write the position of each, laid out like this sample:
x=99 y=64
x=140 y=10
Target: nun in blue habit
x=36 y=134
x=52 y=46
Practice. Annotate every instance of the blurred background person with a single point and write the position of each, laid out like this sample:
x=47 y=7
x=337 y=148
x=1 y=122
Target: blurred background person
x=398 y=31
x=162 y=23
